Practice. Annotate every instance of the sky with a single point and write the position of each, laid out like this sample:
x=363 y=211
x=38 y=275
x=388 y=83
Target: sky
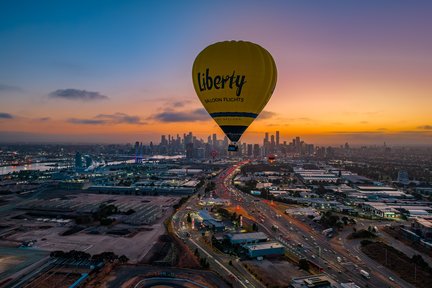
x=120 y=71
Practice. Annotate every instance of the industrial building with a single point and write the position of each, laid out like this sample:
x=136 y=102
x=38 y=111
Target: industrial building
x=247 y=238
x=265 y=249
x=313 y=281
x=209 y=222
x=316 y=175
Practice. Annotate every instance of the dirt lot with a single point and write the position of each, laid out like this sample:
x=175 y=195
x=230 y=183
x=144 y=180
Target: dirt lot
x=135 y=245
x=399 y=263
x=58 y=280
x=274 y=273
x=13 y=260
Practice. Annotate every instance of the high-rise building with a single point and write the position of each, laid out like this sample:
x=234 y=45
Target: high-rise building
x=164 y=141
x=214 y=140
x=256 y=150
x=78 y=161
x=249 y=150
x=277 y=139
x=136 y=151
x=403 y=177
x=88 y=161
x=189 y=150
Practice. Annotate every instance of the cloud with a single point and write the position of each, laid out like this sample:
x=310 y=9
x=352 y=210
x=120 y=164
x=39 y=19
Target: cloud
x=425 y=127
x=182 y=116
x=266 y=115
x=120 y=118
x=356 y=132
x=86 y=121
x=6 y=116
x=44 y=119
x=278 y=125
x=75 y=94
x=9 y=88
x=108 y=119
x=181 y=103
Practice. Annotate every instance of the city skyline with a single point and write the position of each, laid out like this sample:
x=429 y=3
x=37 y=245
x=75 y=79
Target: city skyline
x=121 y=72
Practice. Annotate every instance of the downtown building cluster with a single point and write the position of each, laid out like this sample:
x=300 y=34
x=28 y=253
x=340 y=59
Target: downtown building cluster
x=198 y=148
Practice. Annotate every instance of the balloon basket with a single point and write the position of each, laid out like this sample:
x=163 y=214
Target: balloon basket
x=232 y=148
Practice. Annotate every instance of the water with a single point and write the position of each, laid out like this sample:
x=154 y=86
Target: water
x=33 y=166
x=47 y=166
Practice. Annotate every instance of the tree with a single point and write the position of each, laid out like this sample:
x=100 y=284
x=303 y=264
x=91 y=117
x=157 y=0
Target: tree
x=254 y=227
x=234 y=216
x=130 y=211
x=304 y=264
x=123 y=259
x=189 y=218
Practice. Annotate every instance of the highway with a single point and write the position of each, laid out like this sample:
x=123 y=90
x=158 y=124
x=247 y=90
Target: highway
x=219 y=262
x=303 y=241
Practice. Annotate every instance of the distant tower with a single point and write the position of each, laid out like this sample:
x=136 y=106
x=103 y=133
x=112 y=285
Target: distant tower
x=189 y=150
x=78 y=161
x=136 y=151
x=277 y=139
x=403 y=177
x=140 y=159
x=214 y=140
x=88 y=161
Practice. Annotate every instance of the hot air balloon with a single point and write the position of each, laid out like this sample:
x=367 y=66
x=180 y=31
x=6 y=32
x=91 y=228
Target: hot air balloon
x=234 y=80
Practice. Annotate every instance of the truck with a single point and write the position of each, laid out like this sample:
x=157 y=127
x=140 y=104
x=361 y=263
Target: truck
x=326 y=232
x=365 y=274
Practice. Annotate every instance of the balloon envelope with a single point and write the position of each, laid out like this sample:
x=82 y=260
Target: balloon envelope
x=234 y=80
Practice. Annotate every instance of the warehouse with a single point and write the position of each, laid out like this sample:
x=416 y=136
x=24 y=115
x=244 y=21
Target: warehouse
x=265 y=249
x=246 y=238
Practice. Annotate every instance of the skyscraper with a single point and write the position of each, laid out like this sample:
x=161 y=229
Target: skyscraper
x=136 y=151
x=277 y=139
x=214 y=140
x=78 y=161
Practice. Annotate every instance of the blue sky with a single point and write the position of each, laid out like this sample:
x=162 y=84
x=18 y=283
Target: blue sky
x=331 y=56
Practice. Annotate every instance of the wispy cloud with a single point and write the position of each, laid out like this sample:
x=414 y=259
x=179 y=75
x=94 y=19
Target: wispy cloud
x=425 y=127
x=181 y=103
x=76 y=94
x=6 y=116
x=9 y=88
x=86 y=121
x=356 y=132
x=108 y=119
x=120 y=118
x=182 y=116
x=266 y=115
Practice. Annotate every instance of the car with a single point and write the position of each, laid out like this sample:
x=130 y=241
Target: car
x=391 y=279
x=246 y=281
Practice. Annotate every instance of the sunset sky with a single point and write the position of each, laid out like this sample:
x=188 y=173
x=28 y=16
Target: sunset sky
x=120 y=71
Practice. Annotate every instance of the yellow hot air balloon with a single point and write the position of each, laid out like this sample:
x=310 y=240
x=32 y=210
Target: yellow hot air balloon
x=234 y=80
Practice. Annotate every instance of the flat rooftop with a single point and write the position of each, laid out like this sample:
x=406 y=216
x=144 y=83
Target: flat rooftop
x=264 y=246
x=246 y=236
